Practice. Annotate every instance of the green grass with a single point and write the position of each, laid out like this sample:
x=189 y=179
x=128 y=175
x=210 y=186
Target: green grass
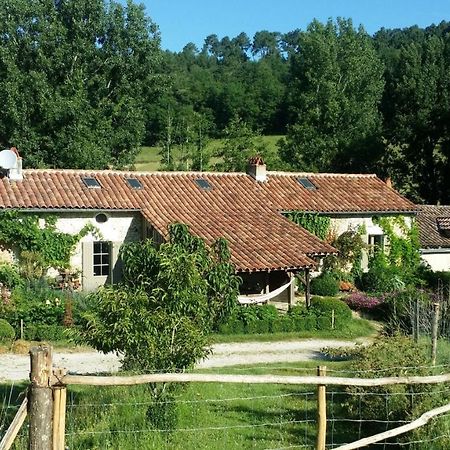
x=210 y=415
x=149 y=158
x=225 y=416
x=357 y=328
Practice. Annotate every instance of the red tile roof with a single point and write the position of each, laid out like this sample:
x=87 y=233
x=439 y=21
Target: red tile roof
x=245 y=212
x=335 y=193
x=433 y=222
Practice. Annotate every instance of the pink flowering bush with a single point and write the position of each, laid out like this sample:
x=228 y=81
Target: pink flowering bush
x=359 y=301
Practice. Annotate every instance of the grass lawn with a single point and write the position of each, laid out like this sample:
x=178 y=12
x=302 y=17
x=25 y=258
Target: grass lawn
x=149 y=158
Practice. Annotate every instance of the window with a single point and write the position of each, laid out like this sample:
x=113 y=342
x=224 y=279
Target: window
x=101 y=258
x=154 y=235
x=376 y=242
x=101 y=218
x=91 y=183
x=134 y=183
x=307 y=183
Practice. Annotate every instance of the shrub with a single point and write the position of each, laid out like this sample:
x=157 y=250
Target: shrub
x=324 y=307
x=325 y=285
x=358 y=301
x=7 y=333
x=9 y=276
x=44 y=333
x=393 y=357
x=303 y=319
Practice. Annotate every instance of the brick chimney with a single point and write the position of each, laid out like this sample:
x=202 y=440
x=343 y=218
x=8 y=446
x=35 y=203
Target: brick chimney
x=256 y=168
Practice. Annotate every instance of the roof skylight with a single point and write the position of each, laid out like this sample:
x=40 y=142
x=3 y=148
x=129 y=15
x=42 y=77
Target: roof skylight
x=91 y=182
x=203 y=184
x=307 y=183
x=134 y=183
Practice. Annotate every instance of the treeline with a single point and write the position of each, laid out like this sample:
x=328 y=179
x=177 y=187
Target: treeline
x=84 y=84
x=345 y=100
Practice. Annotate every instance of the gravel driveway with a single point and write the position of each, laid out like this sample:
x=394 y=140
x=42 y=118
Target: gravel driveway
x=16 y=367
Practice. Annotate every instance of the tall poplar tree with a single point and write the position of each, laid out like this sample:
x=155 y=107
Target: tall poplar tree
x=336 y=84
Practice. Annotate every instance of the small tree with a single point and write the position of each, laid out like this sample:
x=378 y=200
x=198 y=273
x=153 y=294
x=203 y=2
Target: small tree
x=161 y=316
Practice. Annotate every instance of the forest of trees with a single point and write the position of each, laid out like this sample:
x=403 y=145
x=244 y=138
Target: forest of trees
x=85 y=84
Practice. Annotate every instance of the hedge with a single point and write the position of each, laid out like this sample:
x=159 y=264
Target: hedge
x=266 y=319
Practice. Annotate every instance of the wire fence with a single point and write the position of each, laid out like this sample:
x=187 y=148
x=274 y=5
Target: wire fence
x=240 y=416
x=200 y=415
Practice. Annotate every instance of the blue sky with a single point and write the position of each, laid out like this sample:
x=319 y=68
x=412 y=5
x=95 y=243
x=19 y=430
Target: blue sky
x=183 y=21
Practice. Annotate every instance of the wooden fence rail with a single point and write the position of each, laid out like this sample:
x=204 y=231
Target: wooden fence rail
x=251 y=379
x=47 y=399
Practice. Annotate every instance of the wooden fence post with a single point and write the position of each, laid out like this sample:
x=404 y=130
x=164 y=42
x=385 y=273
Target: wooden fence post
x=434 y=332
x=416 y=325
x=41 y=399
x=59 y=411
x=321 y=411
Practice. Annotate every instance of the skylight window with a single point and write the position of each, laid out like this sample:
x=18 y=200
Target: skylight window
x=91 y=182
x=307 y=183
x=134 y=183
x=203 y=184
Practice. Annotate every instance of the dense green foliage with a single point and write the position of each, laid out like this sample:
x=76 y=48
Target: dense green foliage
x=325 y=284
x=398 y=265
x=335 y=87
x=76 y=80
x=266 y=319
x=7 y=333
x=171 y=298
x=162 y=315
x=347 y=262
x=38 y=242
x=84 y=84
x=314 y=223
x=393 y=357
x=347 y=100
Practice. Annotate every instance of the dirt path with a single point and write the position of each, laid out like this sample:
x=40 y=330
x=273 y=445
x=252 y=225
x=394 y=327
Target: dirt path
x=16 y=367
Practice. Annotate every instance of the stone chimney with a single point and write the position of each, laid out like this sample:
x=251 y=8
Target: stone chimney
x=16 y=172
x=256 y=168
x=388 y=182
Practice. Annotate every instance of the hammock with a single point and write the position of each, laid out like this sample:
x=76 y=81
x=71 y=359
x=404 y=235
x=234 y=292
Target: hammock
x=262 y=298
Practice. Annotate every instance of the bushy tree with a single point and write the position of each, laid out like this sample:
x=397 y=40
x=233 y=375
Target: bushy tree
x=171 y=299
x=76 y=79
x=334 y=90
x=161 y=316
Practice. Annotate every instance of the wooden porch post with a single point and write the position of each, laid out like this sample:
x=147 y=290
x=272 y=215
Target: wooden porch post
x=291 y=290
x=307 y=288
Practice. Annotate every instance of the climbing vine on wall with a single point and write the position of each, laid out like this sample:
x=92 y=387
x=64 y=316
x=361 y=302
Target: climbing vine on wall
x=314 y=223
x=50 y=247
x=350 y=248
x=403 y=242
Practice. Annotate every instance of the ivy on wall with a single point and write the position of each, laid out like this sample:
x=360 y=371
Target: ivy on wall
x=314 y=223
x=350 y=246
x=403 y=242
x=45 y=245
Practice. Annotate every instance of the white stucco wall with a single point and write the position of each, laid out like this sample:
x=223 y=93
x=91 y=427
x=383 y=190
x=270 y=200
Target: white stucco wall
x=438 y=261
x=341 y=224
x=120 y=227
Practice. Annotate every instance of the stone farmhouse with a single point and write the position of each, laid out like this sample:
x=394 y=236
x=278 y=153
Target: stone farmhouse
x=247 y=209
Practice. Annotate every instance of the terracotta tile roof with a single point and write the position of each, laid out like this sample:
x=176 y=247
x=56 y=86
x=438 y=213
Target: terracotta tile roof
x=434 y=225
x=335 y=193
x=236 y=207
